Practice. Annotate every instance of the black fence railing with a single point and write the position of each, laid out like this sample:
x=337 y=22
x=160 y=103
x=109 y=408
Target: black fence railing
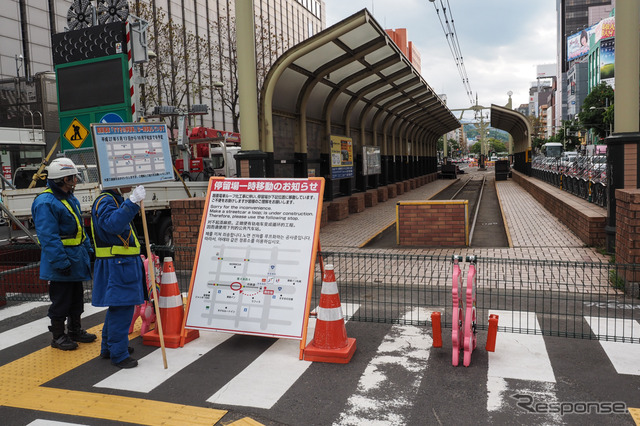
x=584 y=177
x=556 y=298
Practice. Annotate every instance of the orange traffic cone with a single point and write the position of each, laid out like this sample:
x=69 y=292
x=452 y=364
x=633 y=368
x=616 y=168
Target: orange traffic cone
x=330 y=342
x=171 y=312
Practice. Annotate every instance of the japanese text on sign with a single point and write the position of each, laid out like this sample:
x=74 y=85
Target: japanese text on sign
x=254 y=258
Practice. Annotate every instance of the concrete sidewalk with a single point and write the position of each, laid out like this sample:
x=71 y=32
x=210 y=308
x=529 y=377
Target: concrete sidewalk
x=533 y=231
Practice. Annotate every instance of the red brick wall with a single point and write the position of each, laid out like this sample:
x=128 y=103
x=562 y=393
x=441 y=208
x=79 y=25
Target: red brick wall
x=628 y=225
x=186 y=216
x=433 y=223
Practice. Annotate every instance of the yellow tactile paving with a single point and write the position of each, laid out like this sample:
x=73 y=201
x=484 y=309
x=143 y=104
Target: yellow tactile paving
x=246 y=421
x=635 y=415
x=22 y=388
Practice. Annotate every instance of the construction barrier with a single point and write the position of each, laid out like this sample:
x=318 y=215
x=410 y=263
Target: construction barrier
x=145 y=311
x=171 y=312
x=491 y=334
x=436 y=327
x=330 y=342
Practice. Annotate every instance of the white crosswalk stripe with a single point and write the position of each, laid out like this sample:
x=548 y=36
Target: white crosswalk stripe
x=386 y=390
x=149 y=374
x=405 y=346
x=271 y=375
x=519 y=356
x=623 y=356
x=27 y=331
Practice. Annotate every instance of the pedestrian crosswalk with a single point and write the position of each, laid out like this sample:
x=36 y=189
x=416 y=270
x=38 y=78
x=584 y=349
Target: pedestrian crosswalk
x=522 y=357
x=623 y=356
x=389 y=379
x=388 y=385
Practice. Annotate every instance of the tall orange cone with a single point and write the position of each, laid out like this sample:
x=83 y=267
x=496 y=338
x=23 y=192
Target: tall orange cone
x=171 y=311
x=330 y=342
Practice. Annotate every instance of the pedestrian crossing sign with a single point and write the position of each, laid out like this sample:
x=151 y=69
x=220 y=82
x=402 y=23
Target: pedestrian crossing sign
x=76 y=133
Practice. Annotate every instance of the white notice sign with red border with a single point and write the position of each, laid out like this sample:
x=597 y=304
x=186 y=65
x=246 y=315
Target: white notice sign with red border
x=256 y=253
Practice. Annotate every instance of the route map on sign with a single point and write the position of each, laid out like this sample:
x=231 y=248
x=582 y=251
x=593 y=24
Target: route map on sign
x=132 y=153
x=255 y=256
x=143 y=157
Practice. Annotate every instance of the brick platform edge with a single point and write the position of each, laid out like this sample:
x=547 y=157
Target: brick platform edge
x=585 y=219
x=433 y=223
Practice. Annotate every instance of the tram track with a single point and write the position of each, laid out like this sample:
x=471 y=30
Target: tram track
x=486 y=227
x=485 y=216
x=471 y=189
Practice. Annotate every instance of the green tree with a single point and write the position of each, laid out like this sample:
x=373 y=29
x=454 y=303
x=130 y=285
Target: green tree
x=597 y=110
x=496 y=146
x=568 y=135
x=475 y=148
x=537 y=142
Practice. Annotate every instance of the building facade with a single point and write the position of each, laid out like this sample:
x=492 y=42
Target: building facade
x=577 y=83
x=573 y=16
x=27 y=27
x=399 y=37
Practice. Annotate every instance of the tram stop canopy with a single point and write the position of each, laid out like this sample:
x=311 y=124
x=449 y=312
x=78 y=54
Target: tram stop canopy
x=514 y=123
x=351 y=80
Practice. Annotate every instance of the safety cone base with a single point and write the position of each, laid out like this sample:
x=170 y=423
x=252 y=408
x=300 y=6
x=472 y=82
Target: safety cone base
x=336 y=356
x=152 y=338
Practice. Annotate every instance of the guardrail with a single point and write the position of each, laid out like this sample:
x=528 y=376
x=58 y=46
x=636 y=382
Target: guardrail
x=583 y=300
x=585 y=177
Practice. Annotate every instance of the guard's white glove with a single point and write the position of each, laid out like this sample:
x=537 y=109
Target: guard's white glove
x=137 y=194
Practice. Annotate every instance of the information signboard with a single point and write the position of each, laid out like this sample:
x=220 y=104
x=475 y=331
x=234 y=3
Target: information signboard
x=253 y=270
x=371 y=163
x=341 y=157
x=131 y=154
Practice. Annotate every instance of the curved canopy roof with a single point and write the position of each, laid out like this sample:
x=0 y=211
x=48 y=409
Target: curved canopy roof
x=514 y=123
x=353 y=75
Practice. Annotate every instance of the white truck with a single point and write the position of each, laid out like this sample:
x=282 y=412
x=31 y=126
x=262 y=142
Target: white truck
x=222 y=160
x=18 y=202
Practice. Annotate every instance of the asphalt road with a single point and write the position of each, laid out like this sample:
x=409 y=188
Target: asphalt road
x=395 y=377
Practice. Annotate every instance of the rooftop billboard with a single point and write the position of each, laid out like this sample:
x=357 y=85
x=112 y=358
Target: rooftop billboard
x=578 y=43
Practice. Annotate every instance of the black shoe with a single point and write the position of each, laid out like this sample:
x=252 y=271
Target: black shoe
x=127 y=363
x=107 y=355
x=82 y=336
x=64 y=343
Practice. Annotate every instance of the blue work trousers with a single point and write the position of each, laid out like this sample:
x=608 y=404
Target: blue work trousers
x=115 y=333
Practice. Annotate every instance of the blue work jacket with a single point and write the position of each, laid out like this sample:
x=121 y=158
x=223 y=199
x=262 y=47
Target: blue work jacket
x=118 y=280
x=53 y=222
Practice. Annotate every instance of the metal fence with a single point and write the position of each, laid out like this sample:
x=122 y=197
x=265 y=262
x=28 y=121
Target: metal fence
x=556 y=298
x=584 y=177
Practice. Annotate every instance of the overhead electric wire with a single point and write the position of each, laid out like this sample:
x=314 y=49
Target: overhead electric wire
x=449 y=29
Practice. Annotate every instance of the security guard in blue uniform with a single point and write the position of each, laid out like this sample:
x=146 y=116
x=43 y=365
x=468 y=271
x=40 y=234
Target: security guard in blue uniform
x=64 y=260
x=119 y=280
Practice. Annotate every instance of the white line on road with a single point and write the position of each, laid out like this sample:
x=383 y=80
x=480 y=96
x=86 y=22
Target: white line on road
x=522 y=357
x=405 y=347
x=269 y=377
x=148 y=375
x=27 y=331
x=17 y=310
x=623 y=356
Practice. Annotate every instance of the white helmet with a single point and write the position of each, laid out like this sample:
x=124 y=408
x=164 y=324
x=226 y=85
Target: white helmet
x=61 y=167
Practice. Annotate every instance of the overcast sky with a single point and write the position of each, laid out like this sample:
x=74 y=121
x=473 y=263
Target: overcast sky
x=502 y=42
